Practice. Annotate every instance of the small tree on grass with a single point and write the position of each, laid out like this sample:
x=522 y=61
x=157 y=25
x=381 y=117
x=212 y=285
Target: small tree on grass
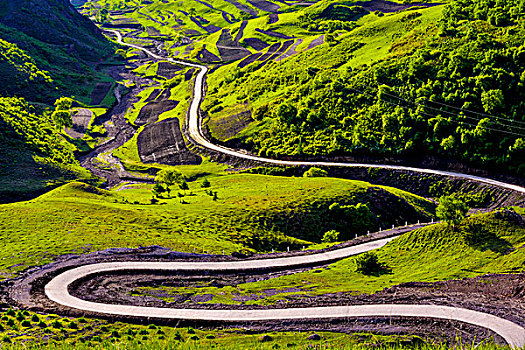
x=206 y=183
x=158 y=189
x=451 y=210
x=315 y=172
x=368 y=264
x=169 y=177
x=62 y=113
x=330 y=236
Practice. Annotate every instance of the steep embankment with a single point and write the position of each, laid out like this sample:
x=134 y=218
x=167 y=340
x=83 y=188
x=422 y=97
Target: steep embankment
x=55 y=38
x=47 y=50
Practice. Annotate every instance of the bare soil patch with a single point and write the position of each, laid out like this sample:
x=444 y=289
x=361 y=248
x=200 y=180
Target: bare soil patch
x=264 y=5
x=163 y=143
x=168 y=70
x=229 y=126
x=150 y=112
x=154 y=94
x=274 y=34
x=290 y=52
x=243 y=7
x=316 y=42
x=206 y=56
x=270 y=52
x=81 y=120
x=249 y=59
x=256 y=43
x=389 y=6
x=229 y=49
x=240 y=33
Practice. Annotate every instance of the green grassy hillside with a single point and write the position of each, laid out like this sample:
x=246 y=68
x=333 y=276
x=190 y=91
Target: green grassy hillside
x=251 y=213
x=444 y=81
x=34 y=154
x=482 y=244
x=57 y=40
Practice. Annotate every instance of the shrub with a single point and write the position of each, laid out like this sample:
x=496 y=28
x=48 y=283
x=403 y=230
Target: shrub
x=330 y=236
x=206 y=183
x=315 y=172
x=42 y=324
x=194 y=337
x=26 y=324
x=72 y=325
x=191 y=331
x=210 y=336
x=177 y=336
x=368 y=264
x=35 y=318
x=6 y=339
x=56 y=324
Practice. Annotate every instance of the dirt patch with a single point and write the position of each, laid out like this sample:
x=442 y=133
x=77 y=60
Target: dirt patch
x=163 y=143
x=206 y=56
x=229 y=126
x=290 y=52
x=281 y=50
x=273 y=18
x=274 y=34
x=240 y=33
x=189 y=74
x=264 y=5
x=388 y=6
x=229 y=49
x=168 y=70
x=154 y=94
x=150 y=112
x=316 y=42
x=242 y=7
x=100 y=92
x=192 y=32
x=81 y=120
x=256 y=43
x=249 y=59
x=270 y=52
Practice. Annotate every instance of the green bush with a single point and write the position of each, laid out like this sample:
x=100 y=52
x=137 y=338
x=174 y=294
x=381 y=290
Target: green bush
x=330 y=236
x=315 y=172
x=368 y=264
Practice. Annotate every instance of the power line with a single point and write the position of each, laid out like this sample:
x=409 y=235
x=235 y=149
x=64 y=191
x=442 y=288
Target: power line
x=452 y=114
x=433 y=116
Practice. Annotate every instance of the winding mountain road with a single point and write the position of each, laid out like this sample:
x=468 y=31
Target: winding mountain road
x=57 y=288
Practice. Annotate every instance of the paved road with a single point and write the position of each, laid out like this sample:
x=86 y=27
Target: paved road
x=57 y=291
x=57 y=288
x=197 y=135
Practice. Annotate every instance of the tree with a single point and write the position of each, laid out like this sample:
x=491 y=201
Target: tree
x=62 y=113
x=368 y=264
x=451 y=210
x=315 y=172
x=184 y=185
x=206 y=183
x=330 y=236
x=169 y=177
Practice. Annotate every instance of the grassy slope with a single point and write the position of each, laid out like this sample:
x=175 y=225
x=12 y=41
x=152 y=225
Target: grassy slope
x=28 y=330
x=430 y=254
x=376 y=34
x=80 y=218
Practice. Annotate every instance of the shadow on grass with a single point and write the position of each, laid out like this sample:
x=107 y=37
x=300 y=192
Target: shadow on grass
x=478 y=237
